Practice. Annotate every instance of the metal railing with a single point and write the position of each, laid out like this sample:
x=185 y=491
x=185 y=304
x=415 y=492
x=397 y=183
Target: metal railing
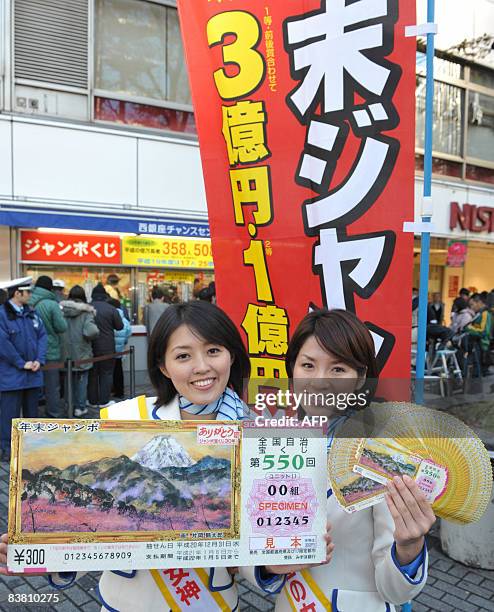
x=71 y=365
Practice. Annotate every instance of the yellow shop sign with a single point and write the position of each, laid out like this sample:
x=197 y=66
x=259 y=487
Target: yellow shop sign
x=167 y=252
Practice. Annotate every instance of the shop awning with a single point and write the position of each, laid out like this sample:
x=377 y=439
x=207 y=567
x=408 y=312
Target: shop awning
x=30 y=216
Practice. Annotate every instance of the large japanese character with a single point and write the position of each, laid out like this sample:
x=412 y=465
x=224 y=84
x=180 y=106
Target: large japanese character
x=351 y=265
x=81 y=248
x=359 y=190
x=190 y=590
x=267 y=329
x=334 y=32
x=176 y=575
x=252 y=186
x=32 y=246
x=95 y=249
x=48 y=248
x=109 y=249
x=244 y=132
x=266 y=373
x=64 y=249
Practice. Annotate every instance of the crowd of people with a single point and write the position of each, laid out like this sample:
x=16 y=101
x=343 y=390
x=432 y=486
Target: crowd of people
x=41 y=327
x=470 y=332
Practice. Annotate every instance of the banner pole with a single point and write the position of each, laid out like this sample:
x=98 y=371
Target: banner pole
x=426 y=211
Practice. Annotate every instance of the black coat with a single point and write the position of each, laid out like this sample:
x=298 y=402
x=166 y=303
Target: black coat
x=435 y=315
x=108 y=320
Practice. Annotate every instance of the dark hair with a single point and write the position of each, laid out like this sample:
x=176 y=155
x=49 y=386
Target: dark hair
x=478 y=297
x=45 y=282
x=3 y=296
x=211 y=324
x=99 y=290
x=459 y=304
x=157 y=293
x=464 y=291
x=77 y=293
x=344 y=335
x=112 y=279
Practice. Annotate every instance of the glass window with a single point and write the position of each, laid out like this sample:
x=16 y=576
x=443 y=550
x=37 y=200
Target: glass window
x=482 y=76
x=131 y=113
x=87 y=277
x=177 y=76
x=442 y=67
x=440 y=166
x=476 y=173
x=179 y=285
x=447 y=128
x=139 y=52
x=480 y=140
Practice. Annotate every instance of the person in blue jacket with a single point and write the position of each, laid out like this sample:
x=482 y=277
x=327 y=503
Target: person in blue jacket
x=23 y=346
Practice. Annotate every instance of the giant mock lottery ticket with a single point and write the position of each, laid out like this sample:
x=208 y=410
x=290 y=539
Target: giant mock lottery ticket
x=123 y=495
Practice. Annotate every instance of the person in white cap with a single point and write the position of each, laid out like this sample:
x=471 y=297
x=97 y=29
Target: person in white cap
x=23 y=345
x=58 y=289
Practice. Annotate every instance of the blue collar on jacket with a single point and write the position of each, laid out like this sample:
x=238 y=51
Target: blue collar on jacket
x=13 y=311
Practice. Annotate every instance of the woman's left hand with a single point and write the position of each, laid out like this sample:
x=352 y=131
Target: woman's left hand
x=412 y=515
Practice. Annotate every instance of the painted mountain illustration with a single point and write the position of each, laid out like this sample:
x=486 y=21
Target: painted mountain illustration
x=160 y=487
x=162 y=452
x=384 y=463
x=359 y=488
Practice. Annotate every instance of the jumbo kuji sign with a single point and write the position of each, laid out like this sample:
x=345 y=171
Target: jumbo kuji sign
x=305 y=113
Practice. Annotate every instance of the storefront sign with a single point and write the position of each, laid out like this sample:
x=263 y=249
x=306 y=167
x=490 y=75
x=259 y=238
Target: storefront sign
x=305 y=114
x=190 y=230
x=476 y=219
x=453 y=286
x=457 y=253
x=167 y=252
x=69 y=248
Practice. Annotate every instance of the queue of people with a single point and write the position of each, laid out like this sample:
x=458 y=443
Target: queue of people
x=470 y=332
x=40 y=330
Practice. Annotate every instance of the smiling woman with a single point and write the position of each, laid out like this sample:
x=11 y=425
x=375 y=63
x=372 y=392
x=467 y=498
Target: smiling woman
x=196 y=351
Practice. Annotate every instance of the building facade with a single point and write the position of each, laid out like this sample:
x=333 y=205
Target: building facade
x=462 y=249
x=99 y=158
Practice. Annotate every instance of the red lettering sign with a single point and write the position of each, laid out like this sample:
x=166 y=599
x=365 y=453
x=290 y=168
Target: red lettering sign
x=305 y=116
x=473 y=218
x=69 y=248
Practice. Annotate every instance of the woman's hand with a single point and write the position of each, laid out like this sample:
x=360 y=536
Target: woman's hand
x=288 y=569
x=3 y=556
x=412 y=515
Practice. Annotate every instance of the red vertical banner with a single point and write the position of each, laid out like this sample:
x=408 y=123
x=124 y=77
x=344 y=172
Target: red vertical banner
x=306 y=119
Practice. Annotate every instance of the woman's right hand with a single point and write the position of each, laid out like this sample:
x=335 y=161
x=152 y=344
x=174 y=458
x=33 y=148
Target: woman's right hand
x=3 y=555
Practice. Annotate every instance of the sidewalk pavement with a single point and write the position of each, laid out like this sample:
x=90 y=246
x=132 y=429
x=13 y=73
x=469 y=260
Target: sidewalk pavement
x=451 y=585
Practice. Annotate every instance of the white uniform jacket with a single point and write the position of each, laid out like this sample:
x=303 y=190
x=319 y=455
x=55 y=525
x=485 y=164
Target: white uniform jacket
x=363 y=574
x=163 y=590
